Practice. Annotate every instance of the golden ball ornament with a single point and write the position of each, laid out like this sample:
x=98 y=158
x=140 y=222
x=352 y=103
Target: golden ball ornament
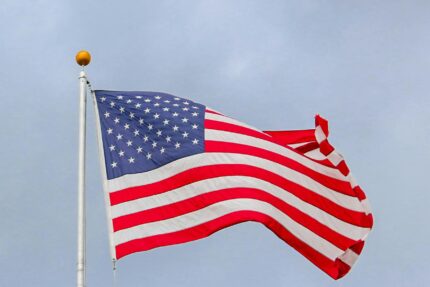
x=83 y=58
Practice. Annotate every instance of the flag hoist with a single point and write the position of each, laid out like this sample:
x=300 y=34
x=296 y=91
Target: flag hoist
x=83 y=58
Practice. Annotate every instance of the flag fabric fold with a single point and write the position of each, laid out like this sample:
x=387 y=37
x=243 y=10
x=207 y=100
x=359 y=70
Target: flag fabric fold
x=176 y=171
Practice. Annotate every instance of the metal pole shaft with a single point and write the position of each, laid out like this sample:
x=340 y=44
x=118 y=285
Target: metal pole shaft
x=81 y=182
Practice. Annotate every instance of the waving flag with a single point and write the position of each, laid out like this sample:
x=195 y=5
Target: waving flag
x=177 y=171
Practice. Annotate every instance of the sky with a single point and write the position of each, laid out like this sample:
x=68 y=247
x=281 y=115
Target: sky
x=363 y=65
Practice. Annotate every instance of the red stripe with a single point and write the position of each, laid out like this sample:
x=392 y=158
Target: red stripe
x=214 y=171
x=340 y=186
x=213 y=112
x=204 y=200
x=293 y=137
x=358 y=247
x=217 y=125
x=326 y=148
x=307 y=147
x=323 y=123
x=360 y=193
x=325 y=162
x=310 y=147
x=336 y=269
x=343 y=168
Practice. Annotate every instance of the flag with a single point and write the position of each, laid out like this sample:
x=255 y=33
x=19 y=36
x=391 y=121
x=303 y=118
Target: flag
x=176 y=171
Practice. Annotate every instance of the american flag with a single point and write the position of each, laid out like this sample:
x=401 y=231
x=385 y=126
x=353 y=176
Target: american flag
x=177 y=171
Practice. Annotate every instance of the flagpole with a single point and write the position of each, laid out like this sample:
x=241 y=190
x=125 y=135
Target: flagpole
x=83 y=58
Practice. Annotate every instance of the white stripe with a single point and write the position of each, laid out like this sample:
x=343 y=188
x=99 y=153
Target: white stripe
x=353 y=181
x=224 y=119
x=319 y=134
x=296 y=145
x=223 y=136
x=223 y=208
x=206 y=159
x=208 y=185
x=212 y=110
x=334 y=158
x=366 y=206
x=349 y=257
x=315 y=154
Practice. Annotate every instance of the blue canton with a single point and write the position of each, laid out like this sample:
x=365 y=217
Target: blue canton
x=142 y=131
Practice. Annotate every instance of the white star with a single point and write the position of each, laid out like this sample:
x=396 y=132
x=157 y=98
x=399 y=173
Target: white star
x=148 y=155
x=185 y=109
x=195 y=141
x=109 y=131
x=147 y=110
x=166 y=122
x=175 y=114
x=176 y=99
x=138 y=97
x=168 y=139
x=162 y=150
x=154 y=144
x=102 y=99
x=141 y=121
x=119 y=137
x=131 y=115
x=131 y=160
x=195 y=107
x=137 y=105
x=156 y=116
x=113 y=164
x=129 y=101
x=136 y=133
x=159 y=133
x=139 y=149
x=107 y=115
x=121 y=109
x=126 y=126
x=195 y=114
x=112 y=104
x=157 y=97
x=186 y=103
x=147 y=100
x=175 y=128
x=177 y=145
x=145 y=138
x=150 y=127
x=121 y=153
x=112 y=148
x=116 y=120
x=175 y=105
x=166 y=109
x=185 y=134
x=119 y=97
x=167 y=101
x=156 y=105
x=129 y=143
x=184 y=120
x=194 y=126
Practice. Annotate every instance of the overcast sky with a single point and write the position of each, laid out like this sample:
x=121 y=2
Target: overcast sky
x=364 y=65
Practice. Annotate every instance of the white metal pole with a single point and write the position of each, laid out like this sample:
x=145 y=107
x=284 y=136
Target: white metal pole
x=81 y=263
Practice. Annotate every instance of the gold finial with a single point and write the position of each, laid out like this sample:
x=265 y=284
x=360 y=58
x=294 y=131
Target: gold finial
x=83 y=58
